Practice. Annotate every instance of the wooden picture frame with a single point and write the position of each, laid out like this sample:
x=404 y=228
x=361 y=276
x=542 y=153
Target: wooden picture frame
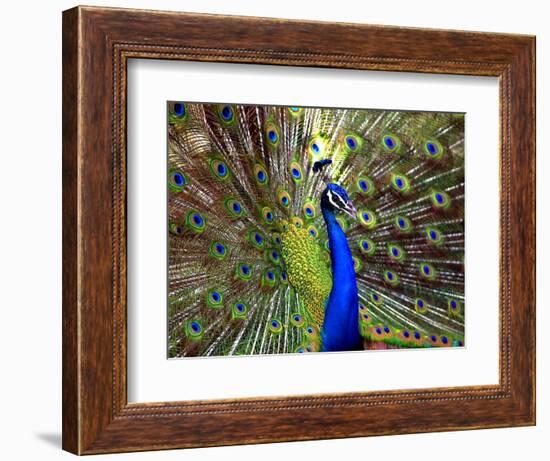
x=97 y=43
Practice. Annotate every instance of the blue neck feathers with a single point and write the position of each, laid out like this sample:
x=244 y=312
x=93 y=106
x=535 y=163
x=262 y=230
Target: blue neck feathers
x=340 y=330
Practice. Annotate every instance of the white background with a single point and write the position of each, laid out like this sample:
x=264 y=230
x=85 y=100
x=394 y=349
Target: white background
x=30 y=243
x=153 y=378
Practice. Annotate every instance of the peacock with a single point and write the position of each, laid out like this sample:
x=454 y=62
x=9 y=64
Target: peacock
x=304 y=229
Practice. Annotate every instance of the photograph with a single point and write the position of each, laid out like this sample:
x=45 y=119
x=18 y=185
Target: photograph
x=312 y=229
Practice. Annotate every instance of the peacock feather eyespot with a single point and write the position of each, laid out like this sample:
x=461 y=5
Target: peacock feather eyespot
x=260 y=174
x=312 y=331
x=396 y=253
x=352 y=143
x=300 y=349
x=272 y=134
x=357 y=264
x=434 y=235
x=404 y=335
x=391 y=143
x=256 y=239
x=365 y=186
x=267 y=215
x=444 y=340
x=175 y=228
x=454 y=307
x=176 y=180
x=433 y=149
x=218 y=250
x=297 y=320
x=367 y=218
x=295 y=111
x=233 y=207
x=296 y=172
x=376 y=299
x=275 y=326
x=177 y=112
x=309 y=209
x=214 y=299
x=269 y=278
x=400 y=183
x=420 y=306
x=362 y=307
x=297 y=221
x=193 y=330
x=316 y=146
x=283 y=278
x=226 y=114
x=244 y=271
x=273 y=256
x=276 y=238
x=366 y=318
x=391 y=277
x=283 y=225
x=440 y=200
x=312 y=346
x=195 y=221
x=427 y=271
x=403 y=223
x=312 y=231
x=283 y=197
x=239 y=310
x=367 y=246
x=219 y=169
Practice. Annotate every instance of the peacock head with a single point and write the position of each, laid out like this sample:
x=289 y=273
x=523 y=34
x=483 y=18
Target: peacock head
x=335 y=199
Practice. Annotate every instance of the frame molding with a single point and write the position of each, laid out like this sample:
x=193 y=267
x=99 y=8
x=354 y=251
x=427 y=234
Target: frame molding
x=97 y=43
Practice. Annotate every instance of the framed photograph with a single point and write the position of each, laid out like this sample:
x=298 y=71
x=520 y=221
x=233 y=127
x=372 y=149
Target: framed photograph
x=284 y=230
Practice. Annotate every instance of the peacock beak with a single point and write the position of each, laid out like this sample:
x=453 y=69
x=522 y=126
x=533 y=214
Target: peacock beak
x=350 y=209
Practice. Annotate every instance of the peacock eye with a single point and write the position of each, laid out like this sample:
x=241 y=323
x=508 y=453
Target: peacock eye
x=296 y=172
x=367 y=218
x=316 y=146
x=219 y=169
x=433 y=149
x=440 y=200
x=214 y=299
x=193 y=330
x=195 y=221
x=218 y=250
x=260 y=174
x=176 y=180
x=420 y=306
x=239 y=310
x=403 y=223
x=226 y=114
x=312 y=230
x=427 y=271
x=272 y=133
x=179 y=109
x=309 y=210
x=275 y=326
x=391 y=143
x=400 y=183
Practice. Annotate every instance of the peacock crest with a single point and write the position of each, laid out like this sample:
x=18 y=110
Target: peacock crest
x=265 y=255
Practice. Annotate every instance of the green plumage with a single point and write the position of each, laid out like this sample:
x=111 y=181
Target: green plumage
x=249 y=265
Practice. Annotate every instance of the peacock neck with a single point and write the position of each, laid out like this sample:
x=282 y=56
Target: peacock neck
x=340 y=254
x=340 y=326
